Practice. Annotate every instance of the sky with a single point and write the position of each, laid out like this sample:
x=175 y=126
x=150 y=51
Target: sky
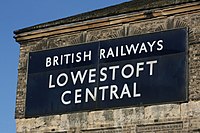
x=17 y=14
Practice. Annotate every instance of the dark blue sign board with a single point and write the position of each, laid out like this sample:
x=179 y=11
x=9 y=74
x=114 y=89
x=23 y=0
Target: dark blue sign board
x=131 y=71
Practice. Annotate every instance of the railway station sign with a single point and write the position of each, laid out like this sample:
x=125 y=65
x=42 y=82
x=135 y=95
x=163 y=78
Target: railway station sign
x=130 y=71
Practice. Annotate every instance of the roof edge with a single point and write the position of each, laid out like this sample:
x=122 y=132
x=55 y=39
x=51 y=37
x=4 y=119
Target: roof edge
x=126 y=7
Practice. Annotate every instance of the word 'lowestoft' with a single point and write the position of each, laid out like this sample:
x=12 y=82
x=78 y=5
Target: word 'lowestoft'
x=79 y=77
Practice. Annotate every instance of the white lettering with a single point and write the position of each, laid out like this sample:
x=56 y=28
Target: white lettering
x=87 y=55
x=143 y=48
x=113 y=92
x=78 y=55
x=102 y=53
x=110 y=53
x=122 y=51
x=134 y=91
x=63 y=96
x=159 y=43
x=48 y=62
x=131 y=72
x=113 y=68
x=92 y=74
x=65 y=79
x=103 y=88
x=151 y=45
x=55 y=61
x=138 y=69
x=50 y=82
x=103 y=74
x=77 y=96
x=67 y=58
x=93 y=96
x=78 y=75
x=132 y=47
x=151 y=63
x=125 y=91
x=117 y=51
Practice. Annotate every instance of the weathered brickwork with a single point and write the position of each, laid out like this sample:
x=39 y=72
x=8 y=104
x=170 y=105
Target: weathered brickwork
x=173 y=118
x=107 y=33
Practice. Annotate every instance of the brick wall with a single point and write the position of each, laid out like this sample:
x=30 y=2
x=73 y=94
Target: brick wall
x=176 y=117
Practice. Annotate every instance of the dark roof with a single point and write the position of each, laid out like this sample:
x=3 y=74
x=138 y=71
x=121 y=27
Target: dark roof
x=126 y=7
